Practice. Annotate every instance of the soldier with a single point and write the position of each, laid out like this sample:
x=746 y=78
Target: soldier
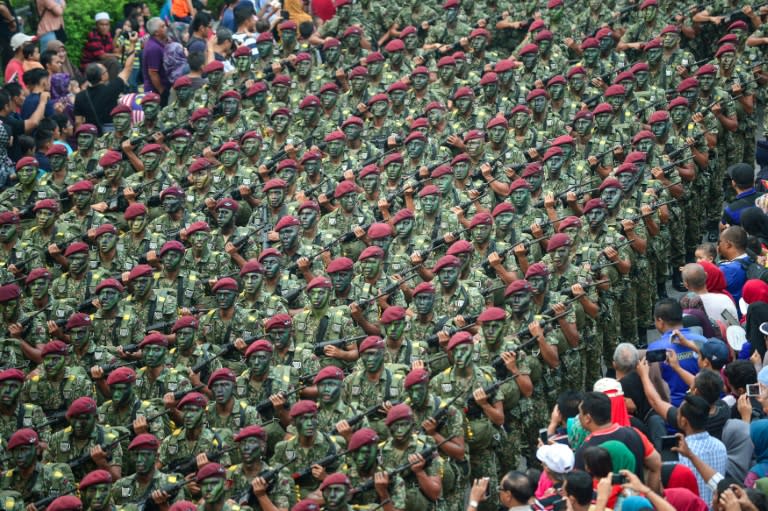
x=155 y=308
x=300 y=359
x=333 y=413
x=188 y=354
x=106 y=261
x=253 y=298
x=23 y=342
x=126 y=408
x=388 y=490
x=454 y=298
x=150 y=105
x=58 y=384
x=373 y=384
x=76 y=285
x=168 y=225
x=232 y=121
x=201 y=258
x=17 y=255
x=86 y=440
x=263 y=382
x=426 y=322
x=309 y=445
x=287 y=229
x=59 y=177
x=38 y=282
x=248 y=482
x=202 y=185
x=156 y=380
x=443 y=423
x=401 y=351
x=109 y=195
x=226 y=414
x=45 y=231
x=179 y=111
x=83 y=161
x=423 y=484
x=220 y=327
x=192 y=437
x=139 y=239
x=82 y=217
x=487 y=414
x=184 y=147
x=368 y=287
x=185 y=286
x=86 y=353
x=121 y=120
x=115 y=321
x=153 y=175
x=207 y=95
x=96 y=490
x=14 y=411
x=147 y=483
x=31 y=478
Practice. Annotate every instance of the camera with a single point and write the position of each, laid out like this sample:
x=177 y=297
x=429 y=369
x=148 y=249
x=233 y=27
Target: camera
x=619 y=479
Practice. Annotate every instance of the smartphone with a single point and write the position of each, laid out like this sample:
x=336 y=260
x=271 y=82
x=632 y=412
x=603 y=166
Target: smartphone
x=753 y=390
x=619 y=479
x=656 y=356
x=544 y=435
x=668 y=442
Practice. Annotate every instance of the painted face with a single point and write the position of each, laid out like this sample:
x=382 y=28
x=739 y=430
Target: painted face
x=154 y=355
x=152 y=109
x=375 y=68
x=252 y=282
x=329 y=390
x=529 y=60
x=215 y=78
x=478 y=44
x=348 y=202
x=352 y=42
x=370 y=183
x=319 y=296
x=230 y=107
x=463 y=104
x=288 y=174
x=306 y=424
x=660 y=129
x=654 y=55
x=10 y=310
x=404 y=228
x=44 y=218
x=629 y=86
x=229 y=157
x=446 y=73
x=415 y=148
x=225 y=216
x=310 y=114
x=109 y=298
x=538 y=283
x=137 y=224
x=539 y=104
x=591 y=55
x=24 y=455
x=627 y=180
x=393 y=171
x=335 y=496
x=370 y=267
x=520 y=120
x=401 y=430
x=648 y=14
x=365 y=458
x=280 y=337
x=520 y=198
x=225 y=298
x=481 y=233
x=497 y=135
x=596 y=217
x=78 y=263
x=251 y=449
x=83 y=424
x=505 y=78
x=544 y=46
x=145 y=461
x=243 y=64
x=493 y=331
x=142 y=285
x=554 y=164
x=645 y=145
x=106 y=242
x=57 y=161
x=212 y=489
x=80 y=336
x=420 y=81
x=448 y=277
x=307 y=217
x=462 y=356
x=435 y=116
x=461 y=169
x=97 y=497
x=424 y=303
x=474 y=147
x=519 y=302
x=9 y=392
x=38 y=288
x=85 y=141
x=383 y=243
x=616 y=101
x=430 y=204
x=172 y=259
x=411 y=42
x=359 y=84
x=691 y=95
x=577 y=82
x=603 y=120
x=289 y=236
x=201 y=179
x=353 y=131
x=271 y=266
x=504 y=220
x=332 y=54
x=606 y=44
x=397 y=97
x=560 y=256
x=192 y=416
x=222 y=391
x=258 y=362
x=537 y=179
x=258 y=100
x=443 y=183
x=185 y=338
x=122 y=393
x=641 y=77
x=265 y=49
x=706 y=82
x=179 y=144
x=122 y=122
x=184 y=94
x=336 y=148
x=328 y=99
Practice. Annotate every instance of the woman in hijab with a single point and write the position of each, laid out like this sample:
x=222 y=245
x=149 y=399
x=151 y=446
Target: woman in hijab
x=715 y=279
x=739 y=447
x=755 y=222
x=758 y=432
x=683 y=499
x=757 y=314
x=675 y=475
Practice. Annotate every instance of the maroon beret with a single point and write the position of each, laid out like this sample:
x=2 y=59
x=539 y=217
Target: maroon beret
x=592 y=204
x=172 y=245
x=278 y=320
x=134 y=210
x=87 y=128
x=184 y=505
x=251 y=431
x=286 y=221
x=140 y=270
x=557 y=241
x=392 y=314
x=274 y=183
x=363 y=437
x=481 y=218
x=503 y=207
x=95 y=477
x=303 y=407
x=27 y=161
x=226 y=283
x=66 y=503
x=251 y=266
x=259 y=345
x=198 y=226
x=460 y=247
x=379 y=230
x=398 y=412
x=423 y=287
x=199 y=165
x=335 y=478
x=308 y=504
x=75 y=248
x=221 y=374
x=49 y=204
x=517 y=286
x=319 y=282
x=658 y=116
x=144 y=442
x=194 y=399
x=55 y=347
x=519 y=183
x=372 y=251
x=121 y=375
x=12 y=374
x=38 y=273
x=154 y=339
x=184 y=322
x=328 y=373
x=24 y=436
x=9 y=217
x=492 y=314
x=447 y=261
x=271 y=251
x=78 y=320
x=80 y=406
x=344 y=188
x=81 y=186
x=210 y=470
x=401 y=215
x=416 y=376
x=105 y=229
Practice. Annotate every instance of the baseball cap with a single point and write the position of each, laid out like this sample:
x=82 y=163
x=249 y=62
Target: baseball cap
x=558 y=458
x=716 y=351
x=742 y=174
x=19 y=40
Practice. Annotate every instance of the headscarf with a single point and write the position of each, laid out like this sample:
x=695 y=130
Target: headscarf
x=754 y=290
x=755 y=222
x=762 y=485
x=612 y=388
x=739 y=447
x=715 y=279
x=60 y=92
x=576 y=433
x=675 y=475
x=175 y=61
x=758 y=432
x=698 y=317
x=296 y=11
x=621 y=457
x=635 y=503
x=757 y=313
x=683 y=499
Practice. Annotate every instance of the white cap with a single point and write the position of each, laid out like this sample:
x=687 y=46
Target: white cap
x=101 y=16
x=609 y=386
x=558 y=458
x=19 y=40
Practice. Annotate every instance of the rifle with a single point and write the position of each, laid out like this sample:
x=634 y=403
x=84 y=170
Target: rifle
x=188 y=465
x=472 y=410
x=568 y=292
x=226 y=350
x=26 y=323
x=439 y=242
x=427 y=454
x=728 y=17
x=561 y=196
x=433 y=340
x=46 y=501
x=527 y=230
x=391 y=288
x=85 y=458
x=281 y=154
x=164 y=132
x=441 y=413
x=318 y=348
x=264 y=405
x=603 y=154
x=697 y=63
x=674 y=154
x=654 y=208
x=654 y=106
x=55 y=418
x=367 y=413
x=324 y=462
x=114 y=203
x=269 y=476
x=108 y=368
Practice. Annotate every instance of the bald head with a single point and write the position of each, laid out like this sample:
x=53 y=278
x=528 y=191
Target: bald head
x=694 y=277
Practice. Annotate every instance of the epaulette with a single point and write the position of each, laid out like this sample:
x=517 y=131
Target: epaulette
x=176 y=432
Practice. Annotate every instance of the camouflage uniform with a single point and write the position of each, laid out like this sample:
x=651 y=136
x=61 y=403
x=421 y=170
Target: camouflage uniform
x=56 y=396
x=47 y=479
x=360 y=393
x=392 y=457
x=64 y=447
x=219 y=333
x=289 y=450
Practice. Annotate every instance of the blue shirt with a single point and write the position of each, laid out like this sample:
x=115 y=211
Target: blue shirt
x=735 y=277
x=688 y=361
x=30 y=105
x=744 y=200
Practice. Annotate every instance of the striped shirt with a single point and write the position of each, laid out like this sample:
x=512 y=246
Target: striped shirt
x=712 y=452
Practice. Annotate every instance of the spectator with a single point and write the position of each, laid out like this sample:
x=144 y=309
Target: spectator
x=7 y=168
x=66 y=64
x=175 y=61
x=758 y=432
x=755 y=222
x=692 y=422
x=578 y=490
x=515 y=491
x=732 y=247
x=668 y=319
x=15 y=125
x=695 y=280
x=754 y=291
x=706 y=252
x=595 y=416
x=100 y=48
x=556 y=460
x=228 y=16
x=223 y=48
x=122 y=45
x=182 y=10
x=31 y=54
x=566 y=411
x=8 y=28
x=14 y=70
x=50 y=23
x=682 y=499
x=152 y=67
x=43 y=141
x=743 y=181
x=739 y=446
x=200 y=31
x=739 y=374
x=245 y=22
x=93 y=104
x=675 y=475
x=64 y=131
x=37 y=81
